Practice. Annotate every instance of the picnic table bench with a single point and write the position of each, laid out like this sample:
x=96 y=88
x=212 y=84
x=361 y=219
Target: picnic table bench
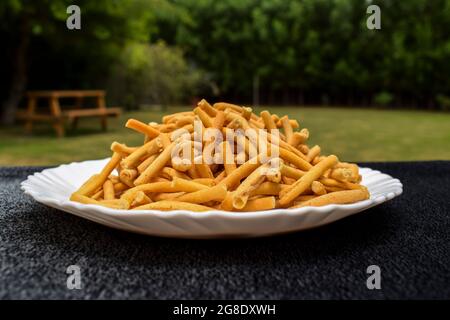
x=58 y=115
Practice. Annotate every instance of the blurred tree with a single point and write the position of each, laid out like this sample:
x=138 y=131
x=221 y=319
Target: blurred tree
x=105 y=26
x=320 y=50
x=281 y=51
x=152 y=74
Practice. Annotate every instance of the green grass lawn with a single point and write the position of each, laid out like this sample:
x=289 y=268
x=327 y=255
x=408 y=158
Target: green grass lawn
x=352 y=134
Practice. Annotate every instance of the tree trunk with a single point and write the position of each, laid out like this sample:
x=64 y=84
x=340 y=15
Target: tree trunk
x=18 y=77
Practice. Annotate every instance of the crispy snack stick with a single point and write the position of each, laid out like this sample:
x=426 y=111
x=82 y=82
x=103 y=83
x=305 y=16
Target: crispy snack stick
x=153 y=172
x=169 y=173
x=165 y=186
x=265 y=203
x=97 y=181
x=144 y=164
x=243 y=171
x=168 y=205
x=227 y=203
x=246 y=113
x=283 y=144
x=303 y=148
x=227 y=157
x=237 y=118
x=204 y=170
x=166 y=196
x=205 y=106
x=140 y=199
x=206 y=181
x=98 y=195
x=142 y=128
x=114 y=204
x=318 y=188
x=267 y=188
x=349 y=174
x=268 y=120
x=119 y=187
x=288 y=180
x=127 y=176
x=122 y=149
x=339 y=197
x=185 y=122
x=294 y=123
x=313 y=152
x=148 y=149
x=297 y=161
x=167 y=118
x=187 y=185
x=226 y=105
x=220 y=177
x=192 y=172
x=290 y=172
x=304 y=182
x=108 y=190
x=154 y=168
x=204 y=117
x=242 y=193
x=288 y=130
x=216 y=193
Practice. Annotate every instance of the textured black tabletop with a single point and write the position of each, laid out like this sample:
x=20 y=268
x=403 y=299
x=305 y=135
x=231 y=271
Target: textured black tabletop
x=408 y=238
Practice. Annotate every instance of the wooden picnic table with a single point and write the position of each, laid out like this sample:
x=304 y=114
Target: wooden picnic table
x=58 y=115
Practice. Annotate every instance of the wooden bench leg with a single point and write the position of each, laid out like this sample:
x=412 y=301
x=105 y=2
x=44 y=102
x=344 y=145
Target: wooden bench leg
x=74 y=123
x=102 y=106
x=58 y=125
x=30 y=111
x=104 y=121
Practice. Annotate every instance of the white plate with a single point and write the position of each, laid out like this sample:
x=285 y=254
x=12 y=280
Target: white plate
x=53 y=187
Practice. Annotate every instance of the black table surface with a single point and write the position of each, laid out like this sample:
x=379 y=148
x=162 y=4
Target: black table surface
x=407 y=237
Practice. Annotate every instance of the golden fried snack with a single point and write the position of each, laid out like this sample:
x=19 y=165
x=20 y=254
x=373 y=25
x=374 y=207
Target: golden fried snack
x=122 y=149
x=96 y=181
x=221 y=156
x=268 y=120
x=304 y=182
x=140 y=199
x=265 y=203
x=187 y=185
x=313 y=152
x=318 y=188
x=288 y=130
x=108 y=190
x=203 y=104
x=142 y=128
x=154 y=168
x=216 y=193
x=146 y=150
x=242 y=193
x=116 y=204
x=339 y=197
x=167 y=205
x=127 y=176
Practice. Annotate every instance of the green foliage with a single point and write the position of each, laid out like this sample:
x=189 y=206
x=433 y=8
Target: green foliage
x=61 y=58
x=320 y=50
x=443 y=101
x=152 y=74
x=383 y=99
x=321 y=47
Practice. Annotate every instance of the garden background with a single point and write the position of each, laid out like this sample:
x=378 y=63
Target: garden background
x=366 y=95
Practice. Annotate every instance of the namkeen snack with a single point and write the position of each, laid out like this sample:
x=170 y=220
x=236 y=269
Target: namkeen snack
x=221 y=157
